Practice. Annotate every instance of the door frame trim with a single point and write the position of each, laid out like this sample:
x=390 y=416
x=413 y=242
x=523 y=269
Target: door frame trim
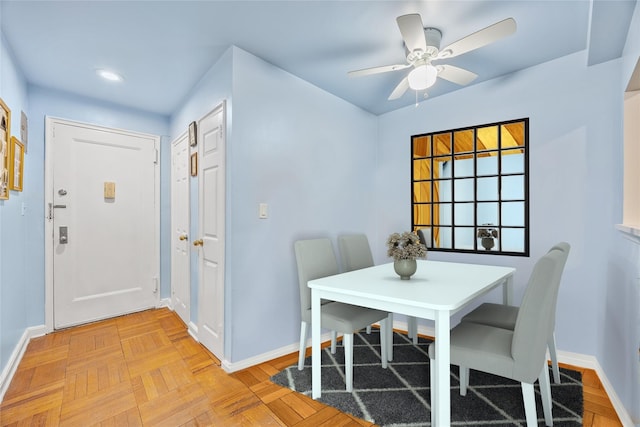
x=48 y=199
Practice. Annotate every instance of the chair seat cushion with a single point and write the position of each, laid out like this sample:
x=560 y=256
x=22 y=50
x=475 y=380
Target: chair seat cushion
x=498 y=315
x=481 y=347
x=347 y=318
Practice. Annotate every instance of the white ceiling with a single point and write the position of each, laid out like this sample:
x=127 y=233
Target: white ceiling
x=164 y=47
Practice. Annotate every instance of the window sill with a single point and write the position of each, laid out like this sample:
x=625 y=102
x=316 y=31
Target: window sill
x=631 y=232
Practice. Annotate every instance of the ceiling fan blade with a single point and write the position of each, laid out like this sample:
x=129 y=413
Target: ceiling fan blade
x=479 y=39
x=455 y=74
x=412 y=31
x=376 y=70
x=400 y=89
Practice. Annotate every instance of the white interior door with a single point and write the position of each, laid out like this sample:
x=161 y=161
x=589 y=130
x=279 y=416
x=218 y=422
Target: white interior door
x=211 y=186
x=104 y=215
x=180 y=245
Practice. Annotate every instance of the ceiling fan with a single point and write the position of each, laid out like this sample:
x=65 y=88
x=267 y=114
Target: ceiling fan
x=423 y=46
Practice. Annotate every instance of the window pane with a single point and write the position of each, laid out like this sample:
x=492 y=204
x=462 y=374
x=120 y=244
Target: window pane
x=464 y=238
x=422 y=146
x=442 y=191
x=444 y=169
x=422 y=214
x=463 y=142
x=513 y=213
x=512 y=135
x=487 y=165
x=422 y=191
x=487 y=138
x=513 y=187
x=444 y=209
x=463 y=190
x=421 y=169
x=513 y=239
x=463 y=167
x=443 y=237
x=487 y=213
x=488 y=188
x=442 y=144
x=512 y=161
x=464 y=214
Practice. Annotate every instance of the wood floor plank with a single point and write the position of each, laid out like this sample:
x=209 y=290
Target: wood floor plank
x=144 y=369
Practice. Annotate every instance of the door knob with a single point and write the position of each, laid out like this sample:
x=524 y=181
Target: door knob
x=183 y=237
x=198 y=242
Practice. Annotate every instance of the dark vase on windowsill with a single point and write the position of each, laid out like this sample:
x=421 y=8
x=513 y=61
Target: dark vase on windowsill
x=488 y=243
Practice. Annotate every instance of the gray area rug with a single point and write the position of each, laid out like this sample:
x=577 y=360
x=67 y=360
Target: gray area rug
x=399 y=395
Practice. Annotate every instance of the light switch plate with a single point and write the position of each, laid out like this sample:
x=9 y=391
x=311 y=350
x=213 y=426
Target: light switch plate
x=263 y=211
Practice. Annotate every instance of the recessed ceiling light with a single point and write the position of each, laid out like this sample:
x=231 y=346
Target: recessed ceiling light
x=109 y=75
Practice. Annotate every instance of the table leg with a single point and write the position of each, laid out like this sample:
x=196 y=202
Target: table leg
x=442 y=361
x=316 y=355
x=507 y=290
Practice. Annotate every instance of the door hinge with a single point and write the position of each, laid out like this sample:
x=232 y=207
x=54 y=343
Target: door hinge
x=156 y=156
x=50 y=214
x=155 y=285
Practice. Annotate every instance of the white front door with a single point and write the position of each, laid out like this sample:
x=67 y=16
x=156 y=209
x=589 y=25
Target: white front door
x=180 y=245
x=103 y=202
x=211 y=186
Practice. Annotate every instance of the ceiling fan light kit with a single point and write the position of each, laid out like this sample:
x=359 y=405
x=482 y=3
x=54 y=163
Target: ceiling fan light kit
x=422 y=77
x=423 y=46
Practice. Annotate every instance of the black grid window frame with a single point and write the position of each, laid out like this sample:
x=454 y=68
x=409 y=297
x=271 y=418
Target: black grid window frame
x=449 y=223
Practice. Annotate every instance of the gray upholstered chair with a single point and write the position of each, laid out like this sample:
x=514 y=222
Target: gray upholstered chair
x=315 y=259
x=504 y=316
x=518 y=354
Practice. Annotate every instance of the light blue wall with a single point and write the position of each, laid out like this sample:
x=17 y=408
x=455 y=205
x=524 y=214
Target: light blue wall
x=18 y=249
x=214 y=88
x=621 y=301
x=310 y=156
x=305 y=153
x=575 y=194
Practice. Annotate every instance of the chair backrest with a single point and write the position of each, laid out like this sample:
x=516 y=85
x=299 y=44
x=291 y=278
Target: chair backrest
x=315 y=259
x=564 y=247
x=534 y=323
x=424 y=234
x=355 y=252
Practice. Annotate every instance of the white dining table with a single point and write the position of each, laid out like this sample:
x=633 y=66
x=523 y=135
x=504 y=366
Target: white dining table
x=436 y=291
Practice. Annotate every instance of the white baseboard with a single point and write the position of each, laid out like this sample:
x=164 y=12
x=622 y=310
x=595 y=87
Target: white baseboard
x=165 y=302
x=590 y=362
x=16 y=356
x=193 y=331
x=265 y=357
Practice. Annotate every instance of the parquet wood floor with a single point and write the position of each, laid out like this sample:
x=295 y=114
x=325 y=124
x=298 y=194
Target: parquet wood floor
x=144 y=369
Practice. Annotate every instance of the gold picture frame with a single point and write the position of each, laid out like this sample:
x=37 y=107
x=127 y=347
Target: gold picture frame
x=5 y=140
x=16 y=169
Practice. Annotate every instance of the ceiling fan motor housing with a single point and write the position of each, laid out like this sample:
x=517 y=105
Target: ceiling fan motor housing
x=433 y=37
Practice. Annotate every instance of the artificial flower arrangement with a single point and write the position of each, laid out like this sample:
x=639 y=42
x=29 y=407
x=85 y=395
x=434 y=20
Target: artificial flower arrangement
x=487 y=230
x=405 y=246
